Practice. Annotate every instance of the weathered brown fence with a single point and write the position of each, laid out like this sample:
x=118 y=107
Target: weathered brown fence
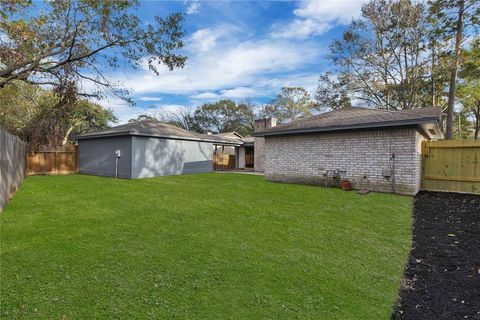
x=52 y=162
x=13 y=165
x=452 y=165
x=224 y=162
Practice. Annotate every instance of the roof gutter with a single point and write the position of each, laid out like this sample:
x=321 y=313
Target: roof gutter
x=371 y=125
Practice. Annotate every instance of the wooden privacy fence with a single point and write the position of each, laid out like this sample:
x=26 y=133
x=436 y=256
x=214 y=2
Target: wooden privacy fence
x=52 y=162
x=13 y=164
x=223 y=162
x=451 y=165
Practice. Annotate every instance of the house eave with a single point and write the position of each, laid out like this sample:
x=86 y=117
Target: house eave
x=140 y=134
x=361 y=126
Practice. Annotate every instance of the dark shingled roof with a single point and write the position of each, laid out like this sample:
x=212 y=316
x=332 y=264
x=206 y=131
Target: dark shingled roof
x=158 y=129
x=356 y=118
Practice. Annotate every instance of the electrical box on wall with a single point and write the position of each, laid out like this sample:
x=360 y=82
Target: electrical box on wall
x=387 y=173
x=118 y=153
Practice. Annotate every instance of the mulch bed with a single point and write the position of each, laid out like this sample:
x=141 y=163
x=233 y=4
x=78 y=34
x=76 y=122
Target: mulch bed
x=442 y=279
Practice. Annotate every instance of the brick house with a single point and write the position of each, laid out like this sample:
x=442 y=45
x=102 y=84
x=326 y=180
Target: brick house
x=376 y=150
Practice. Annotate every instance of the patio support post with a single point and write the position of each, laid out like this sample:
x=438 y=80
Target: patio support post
x=215 y=157
x=223 y=158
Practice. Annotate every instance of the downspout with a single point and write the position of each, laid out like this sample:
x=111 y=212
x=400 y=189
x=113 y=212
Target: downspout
x=215 y=157
x=223 y=158
x=393 y=171
x=116 y=167
x=392 y=160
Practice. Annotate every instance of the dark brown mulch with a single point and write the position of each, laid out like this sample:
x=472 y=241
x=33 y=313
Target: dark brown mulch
x=442 y=279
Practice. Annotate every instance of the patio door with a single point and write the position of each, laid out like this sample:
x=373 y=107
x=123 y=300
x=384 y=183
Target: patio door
x=249 y=157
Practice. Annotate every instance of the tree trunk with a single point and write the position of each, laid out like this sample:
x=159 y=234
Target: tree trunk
x=454 y=71
x=433 y=75
x=65 y=138
x=477 y=121
x=476 y=127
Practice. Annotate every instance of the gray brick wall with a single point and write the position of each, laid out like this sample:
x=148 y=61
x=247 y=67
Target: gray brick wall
x=363 y=155
x=259 y=154
x=259 y=143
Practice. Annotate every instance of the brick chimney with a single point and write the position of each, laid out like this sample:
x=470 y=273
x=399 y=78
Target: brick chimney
x=265 y=123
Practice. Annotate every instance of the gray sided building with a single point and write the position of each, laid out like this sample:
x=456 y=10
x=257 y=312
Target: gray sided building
x=147 y=149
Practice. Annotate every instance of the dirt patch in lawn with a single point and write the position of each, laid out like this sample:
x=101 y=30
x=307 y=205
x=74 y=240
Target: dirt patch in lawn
x=442 y=279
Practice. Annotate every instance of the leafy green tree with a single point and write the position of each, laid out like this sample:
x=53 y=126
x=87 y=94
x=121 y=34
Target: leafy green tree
x=463 y=126
x=224 y=116
x=52 y=126
x=454 y=19
x=18 y=105
x=33 y=114
x=402 y=54
x=67 y=42
x=183 y=118
x=332 y=92
x=249 y=112
x=290 y=104
x=382 y=58
x=469 y=96
x=469 y=87
x=143 y=117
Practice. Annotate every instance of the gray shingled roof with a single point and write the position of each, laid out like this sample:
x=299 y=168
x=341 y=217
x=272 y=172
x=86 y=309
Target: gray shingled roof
x=155 y=129
x=248 y=140
x=234 y=135
x=356 y=118
x=230 y=135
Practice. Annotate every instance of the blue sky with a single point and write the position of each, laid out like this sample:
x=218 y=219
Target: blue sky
x=237 y=50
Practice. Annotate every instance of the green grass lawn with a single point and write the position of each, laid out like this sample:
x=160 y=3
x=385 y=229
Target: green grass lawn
x=205 y=246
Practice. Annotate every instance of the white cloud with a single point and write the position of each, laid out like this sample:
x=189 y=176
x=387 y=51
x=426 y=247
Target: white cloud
x=158 y=110
x=317 y=17
x=236 y=64
x=194 y=7
x=150 y=99
x=341 y=11
x=308 y=81
x=121 y=109
x=204 y=40
x=240 y=92
x=263 y=86
x=233 y=93
x=206 y=96
x=223 y=64
x=301 y=28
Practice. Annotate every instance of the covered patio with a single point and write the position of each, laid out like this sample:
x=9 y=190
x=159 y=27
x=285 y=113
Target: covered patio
x=231 y=157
